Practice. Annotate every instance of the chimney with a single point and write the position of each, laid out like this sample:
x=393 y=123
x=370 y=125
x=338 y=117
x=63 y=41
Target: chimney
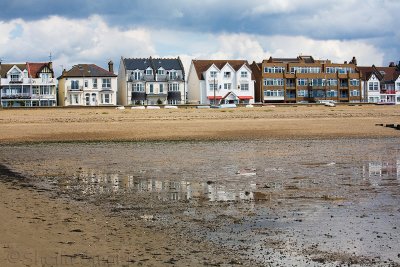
x=392 y=64
x=111 y=66
x=50 y=65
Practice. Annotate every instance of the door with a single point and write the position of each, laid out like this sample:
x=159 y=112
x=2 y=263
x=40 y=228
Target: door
x=87 y=98
x=93 y=100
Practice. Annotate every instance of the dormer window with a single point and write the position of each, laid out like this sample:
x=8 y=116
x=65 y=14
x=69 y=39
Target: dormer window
x=160 y=71
x=149 y=71
x=227 y=74
x=14 y=77
x=172 y=74
x=136 y=75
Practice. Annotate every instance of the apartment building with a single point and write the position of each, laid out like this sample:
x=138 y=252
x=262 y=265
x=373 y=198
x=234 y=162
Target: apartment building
x=27 y=84
x=88 y=85
x=220 y=82
x=305 y=79
x=381 y=84
x=149 y=81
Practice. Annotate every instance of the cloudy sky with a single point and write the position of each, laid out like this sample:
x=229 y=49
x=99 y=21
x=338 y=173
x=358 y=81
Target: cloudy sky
x=95 y=31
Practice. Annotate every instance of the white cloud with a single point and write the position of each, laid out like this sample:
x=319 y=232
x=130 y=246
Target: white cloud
x=91 y=40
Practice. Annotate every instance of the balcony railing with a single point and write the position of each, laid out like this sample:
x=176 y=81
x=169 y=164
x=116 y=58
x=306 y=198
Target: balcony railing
x=388 y=92
x=79 y=88
x=15 y=96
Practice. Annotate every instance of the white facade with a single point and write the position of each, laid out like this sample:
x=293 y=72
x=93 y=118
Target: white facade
x=227 y=84
x=93 y=91
x=20 y=88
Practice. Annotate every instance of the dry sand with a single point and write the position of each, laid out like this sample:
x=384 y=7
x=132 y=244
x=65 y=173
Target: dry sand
x=37 y=229
x=78 y=124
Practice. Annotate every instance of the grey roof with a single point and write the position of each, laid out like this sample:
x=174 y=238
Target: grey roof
x=154 y=63
x=87 y=70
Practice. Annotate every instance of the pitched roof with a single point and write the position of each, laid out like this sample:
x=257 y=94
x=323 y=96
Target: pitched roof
x=203 y=65
x=35 y=68
x=385 y=74
x=154 y=63
x=86 y=70
x=4 y=68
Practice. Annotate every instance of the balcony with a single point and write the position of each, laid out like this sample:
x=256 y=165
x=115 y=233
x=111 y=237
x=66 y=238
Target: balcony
x=79 y=88
x=388 y=92
x=16 y=96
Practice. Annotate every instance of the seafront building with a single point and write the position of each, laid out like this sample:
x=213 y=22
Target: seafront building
x=88 y=85
x=151 y=81
x=305 y=79
x=27 y=85
x=381 y=84
x=220 y=82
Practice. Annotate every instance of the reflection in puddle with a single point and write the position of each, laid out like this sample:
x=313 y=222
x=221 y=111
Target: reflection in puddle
x=90 y=182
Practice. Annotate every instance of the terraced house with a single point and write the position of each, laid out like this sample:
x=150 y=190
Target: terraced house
x=304 y=79
x=88 y=85
x=149 y=81
x=27 y=84
x=220 y=82
x=381 y=84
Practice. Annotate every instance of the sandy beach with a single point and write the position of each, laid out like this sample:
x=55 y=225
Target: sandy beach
x=41 y=227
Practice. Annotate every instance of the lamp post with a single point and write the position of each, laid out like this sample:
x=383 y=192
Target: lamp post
x=214 y=93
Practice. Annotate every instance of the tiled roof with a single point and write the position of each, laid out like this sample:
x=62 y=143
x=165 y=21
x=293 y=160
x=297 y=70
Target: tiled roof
x=4 y=68
x=87 y=70
x=203 y=65
x=154 y=63
x=35 y=68
x=382 y=73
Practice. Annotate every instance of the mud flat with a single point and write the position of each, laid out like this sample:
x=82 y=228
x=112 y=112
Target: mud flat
x=284 y=186
x=277 y=202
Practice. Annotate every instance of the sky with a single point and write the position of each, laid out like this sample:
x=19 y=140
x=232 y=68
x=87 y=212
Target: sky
x=96 y=31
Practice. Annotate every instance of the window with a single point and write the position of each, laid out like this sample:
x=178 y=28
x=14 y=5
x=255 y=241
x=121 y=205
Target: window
x=305 y=70
x=332 y=82
x=136 y=75
x=243 y=74
x=94 y=83
x=273 y=82
x=86 y=84
x=160 y=72
x=173 y=102
x=317 y=82
x=149 y=71
x=354 y=93
x=302 y=82
x=14 y=77
x=75 y=85
x=302 y=93
x=213 y=74
x=161 y=88
x=227 y=86
x=274 y=93
x=106 y=98
x=244 y=87
x=331 y=93
x=212 y=86
x=45 y=77
x=341 y=70
x=74 y=99
x=172 y=75
x=227 y=74
x=343 y=83
x=373 y=86
x=138 y=87
x=274 y=69
x=45 y=90
x=106 y=83
x=173 y=87
x=151 y=88
x=355 y=82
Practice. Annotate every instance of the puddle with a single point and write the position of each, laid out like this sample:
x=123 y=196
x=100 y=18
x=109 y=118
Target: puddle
x=278 y=202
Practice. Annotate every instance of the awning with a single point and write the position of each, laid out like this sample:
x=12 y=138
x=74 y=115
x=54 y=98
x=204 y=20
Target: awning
x=245 y=97
x=216 y=97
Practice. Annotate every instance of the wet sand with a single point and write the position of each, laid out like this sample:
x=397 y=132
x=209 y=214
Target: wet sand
x=43 y=221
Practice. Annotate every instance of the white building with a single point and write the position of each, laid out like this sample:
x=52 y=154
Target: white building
x=230 y=81
x=28 y=84
x=87 y=85
x=380 y=84
x=151 y=81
